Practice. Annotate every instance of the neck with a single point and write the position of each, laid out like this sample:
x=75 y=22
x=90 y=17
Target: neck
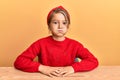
x=58 y=38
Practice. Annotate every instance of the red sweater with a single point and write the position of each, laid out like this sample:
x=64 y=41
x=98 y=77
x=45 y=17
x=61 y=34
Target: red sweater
x=56 y=53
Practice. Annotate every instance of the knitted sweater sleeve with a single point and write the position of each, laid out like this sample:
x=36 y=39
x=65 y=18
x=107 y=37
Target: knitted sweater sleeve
x=25 y=61
x=88 y=60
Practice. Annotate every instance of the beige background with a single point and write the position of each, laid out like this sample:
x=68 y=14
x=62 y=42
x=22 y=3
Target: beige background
x=95 y=23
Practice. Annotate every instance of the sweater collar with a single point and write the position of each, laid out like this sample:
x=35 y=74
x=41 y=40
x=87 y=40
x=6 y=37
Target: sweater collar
x=58 y=42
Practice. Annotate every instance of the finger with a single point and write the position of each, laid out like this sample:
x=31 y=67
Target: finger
x=66 y=74
x=50 y=75
x=55 y=74
x=57 y=71
x=63 y=72
x=47 y=74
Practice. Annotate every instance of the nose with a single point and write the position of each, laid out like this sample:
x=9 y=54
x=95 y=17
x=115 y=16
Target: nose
x=60 y=25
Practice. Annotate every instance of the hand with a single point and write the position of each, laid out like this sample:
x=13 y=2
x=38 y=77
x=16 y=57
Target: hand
x=56 y=71
x=50 y=71
x=66 y=71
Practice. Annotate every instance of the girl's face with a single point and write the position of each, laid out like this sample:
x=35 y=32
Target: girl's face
x=58 y=25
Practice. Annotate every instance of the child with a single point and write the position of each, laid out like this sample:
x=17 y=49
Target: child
x=56 y=53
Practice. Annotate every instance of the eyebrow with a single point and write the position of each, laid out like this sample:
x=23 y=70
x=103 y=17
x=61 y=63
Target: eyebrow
x=58 y=20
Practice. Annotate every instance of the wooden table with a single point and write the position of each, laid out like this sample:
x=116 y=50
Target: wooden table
x=100 y=73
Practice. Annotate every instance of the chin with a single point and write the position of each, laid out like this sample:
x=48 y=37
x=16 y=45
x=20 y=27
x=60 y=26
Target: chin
x=60 y=35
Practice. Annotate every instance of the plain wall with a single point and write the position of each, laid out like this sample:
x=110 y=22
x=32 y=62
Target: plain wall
x=94 y=23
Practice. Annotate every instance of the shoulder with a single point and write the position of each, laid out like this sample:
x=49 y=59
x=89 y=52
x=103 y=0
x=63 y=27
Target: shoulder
x=42 y=40
x=75 y=42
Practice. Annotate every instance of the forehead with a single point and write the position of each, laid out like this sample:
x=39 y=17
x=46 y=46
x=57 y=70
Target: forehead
x=58 y=16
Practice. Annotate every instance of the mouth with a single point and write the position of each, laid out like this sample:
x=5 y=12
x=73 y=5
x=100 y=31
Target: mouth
x=60 y=30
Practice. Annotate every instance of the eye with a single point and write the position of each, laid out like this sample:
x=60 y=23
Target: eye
x=54 y=22
x=65 y=22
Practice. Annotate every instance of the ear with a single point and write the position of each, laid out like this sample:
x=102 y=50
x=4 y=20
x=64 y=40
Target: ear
x=49 y=28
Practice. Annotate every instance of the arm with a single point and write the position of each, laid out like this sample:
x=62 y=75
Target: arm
x=25 y=61
x=88 y=60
